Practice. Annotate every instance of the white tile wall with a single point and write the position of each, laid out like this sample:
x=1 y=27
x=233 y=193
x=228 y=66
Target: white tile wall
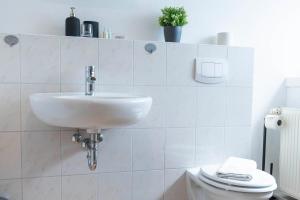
x=241 y=66
x=40 y=59
x=115 y=186
x=10 y=107
x=210 y=144
x=76 y=53
x=46 y=188
x=41 y=154
x=239 y=104
x=181 y=106
x=116 y=62
x=148 y=149
x=180 y=64
x=115 y=152
x=212 y=51
x=11 y=189
x=211 y=106
x=180 y=147
x=10 y=154
x=292 y=97
x=190 y=123
x=10 y=62
x=149 y=69
x=79 y=187
x=238 y=141
x=148 y=185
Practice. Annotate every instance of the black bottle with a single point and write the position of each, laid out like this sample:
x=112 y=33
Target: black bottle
x=72 y=24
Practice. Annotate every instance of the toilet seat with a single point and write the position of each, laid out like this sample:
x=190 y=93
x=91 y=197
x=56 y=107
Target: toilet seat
x=260 y=179
x=198 y=176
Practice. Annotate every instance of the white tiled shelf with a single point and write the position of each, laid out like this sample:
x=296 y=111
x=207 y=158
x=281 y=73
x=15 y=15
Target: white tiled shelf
x=190 y=123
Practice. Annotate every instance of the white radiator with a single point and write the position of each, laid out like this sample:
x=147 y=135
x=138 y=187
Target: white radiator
x=289 y=164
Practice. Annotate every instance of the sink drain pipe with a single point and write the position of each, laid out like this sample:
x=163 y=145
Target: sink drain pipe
x=90 y=144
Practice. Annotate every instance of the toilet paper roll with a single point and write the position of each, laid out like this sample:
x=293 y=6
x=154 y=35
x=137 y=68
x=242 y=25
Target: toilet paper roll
x=273 y=122
x=223 y=38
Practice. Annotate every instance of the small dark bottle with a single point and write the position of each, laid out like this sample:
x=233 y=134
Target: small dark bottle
x=72 y=24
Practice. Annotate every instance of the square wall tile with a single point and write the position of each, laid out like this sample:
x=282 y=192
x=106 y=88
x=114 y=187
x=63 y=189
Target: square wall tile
x=116 y=62
x=40 y=59
x=76 y=54
x=29 y=121
x=41 y=154
x=148 y=185
x=116 y=88
x=210 y=145
x=115 y=186
x=239 y=106
x=80 y=187
x=11 y=189
x=180 y=147
x=9 y=62
x=211 y=106
x=73 y=88
x=10 y=107
x=115 y=151
x=238 y=141
x=148 y=149
x=240 y=62
x=292 y=97
x=156 y=115
x=181 y=106
x=10 y=155
x=73 y=156
x=212 y=51
x=181 y=64
x=175 y=184
x=149 y=68
x=48 y=188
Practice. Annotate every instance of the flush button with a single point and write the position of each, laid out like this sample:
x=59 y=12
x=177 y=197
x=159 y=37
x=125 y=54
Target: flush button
x=207 y=69
x=211 y=70
x=219 y=70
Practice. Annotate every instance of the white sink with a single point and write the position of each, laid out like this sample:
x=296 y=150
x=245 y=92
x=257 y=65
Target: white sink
x=104 y=110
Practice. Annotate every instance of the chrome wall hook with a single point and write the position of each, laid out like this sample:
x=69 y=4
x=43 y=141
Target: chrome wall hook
x=11 y=40
x=150 y=48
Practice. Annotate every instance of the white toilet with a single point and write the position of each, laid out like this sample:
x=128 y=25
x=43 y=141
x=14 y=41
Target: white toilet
x=203 y=184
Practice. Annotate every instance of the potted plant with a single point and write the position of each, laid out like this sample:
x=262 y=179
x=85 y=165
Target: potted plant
x=172 y=19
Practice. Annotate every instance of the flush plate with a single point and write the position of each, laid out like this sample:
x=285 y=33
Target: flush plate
x=211 y=70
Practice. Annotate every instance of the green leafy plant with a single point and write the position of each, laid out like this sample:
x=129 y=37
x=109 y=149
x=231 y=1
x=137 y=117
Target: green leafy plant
x=173 y=16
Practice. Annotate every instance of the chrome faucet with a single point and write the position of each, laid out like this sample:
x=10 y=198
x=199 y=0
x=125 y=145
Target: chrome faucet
x=90 y=80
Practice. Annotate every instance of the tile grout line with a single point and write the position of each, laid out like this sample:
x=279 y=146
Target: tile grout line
x=197 y=116
x=133 y=64
x=20 y=117
x=226 y=111
x=164 y=168
x=131 y=172
x=60 y=90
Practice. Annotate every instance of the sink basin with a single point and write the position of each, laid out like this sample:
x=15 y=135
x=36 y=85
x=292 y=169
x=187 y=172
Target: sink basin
x=104 y=110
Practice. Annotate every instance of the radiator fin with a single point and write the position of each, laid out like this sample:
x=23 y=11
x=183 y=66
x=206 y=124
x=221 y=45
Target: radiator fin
x=289 y=164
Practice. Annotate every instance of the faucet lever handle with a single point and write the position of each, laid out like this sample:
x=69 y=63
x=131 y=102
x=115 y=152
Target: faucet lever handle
x=93 y=78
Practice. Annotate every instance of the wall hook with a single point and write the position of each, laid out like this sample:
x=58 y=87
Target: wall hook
x=150 y=48
x=11 y=40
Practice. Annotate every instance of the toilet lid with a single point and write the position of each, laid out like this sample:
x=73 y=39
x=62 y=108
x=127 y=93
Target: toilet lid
x=235 y=188
x=260 y=178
